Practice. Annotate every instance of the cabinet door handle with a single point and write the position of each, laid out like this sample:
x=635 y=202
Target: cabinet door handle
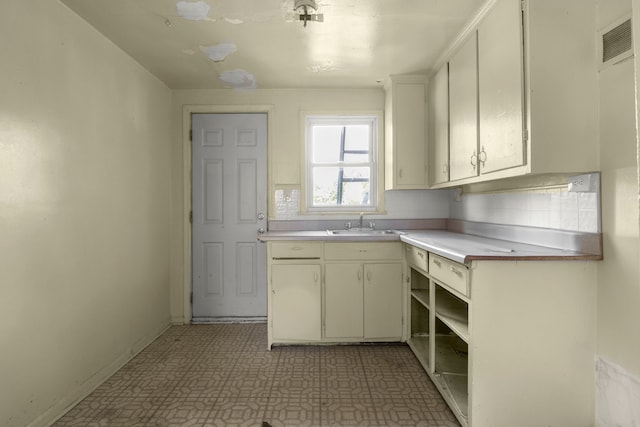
x=359 y=275
x=474 y=159
x=315 y=277
x=456 y=271
x=420 y=254
x=368 y=275
x=400 y=173
x=482 y=157
x=437 y=262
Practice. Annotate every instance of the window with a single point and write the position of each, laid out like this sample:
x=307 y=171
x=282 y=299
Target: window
x=342 y=163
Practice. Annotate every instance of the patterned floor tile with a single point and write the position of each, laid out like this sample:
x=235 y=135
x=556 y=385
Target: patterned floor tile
x=238 y=412
x=191 y=412
x=349 y=413
x=224 y=375
x=293 y=412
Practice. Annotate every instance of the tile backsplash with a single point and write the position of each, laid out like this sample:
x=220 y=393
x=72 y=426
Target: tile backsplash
x=399 y=204
x=556 y=208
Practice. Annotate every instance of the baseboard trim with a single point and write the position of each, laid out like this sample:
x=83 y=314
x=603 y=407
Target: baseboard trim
x=56 y=412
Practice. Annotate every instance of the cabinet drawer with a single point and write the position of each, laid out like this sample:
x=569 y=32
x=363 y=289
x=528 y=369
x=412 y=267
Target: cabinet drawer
x=450 y=273
x=296 y=250
x=363 y=250
x=416 y=257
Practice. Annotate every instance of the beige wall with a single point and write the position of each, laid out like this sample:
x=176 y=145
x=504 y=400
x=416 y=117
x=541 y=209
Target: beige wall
x=85 y=178
x=619 y=279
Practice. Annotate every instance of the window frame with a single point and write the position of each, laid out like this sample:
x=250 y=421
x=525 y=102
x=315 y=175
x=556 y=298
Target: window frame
x=376 y=184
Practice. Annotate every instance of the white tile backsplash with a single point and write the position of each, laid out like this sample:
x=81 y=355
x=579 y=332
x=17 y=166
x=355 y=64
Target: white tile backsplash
x=287 y=203
x=550 y=208
x=399 y=204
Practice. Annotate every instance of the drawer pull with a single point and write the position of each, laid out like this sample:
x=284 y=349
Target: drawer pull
x=437 y=262
x=420 y=254
x=456 y=271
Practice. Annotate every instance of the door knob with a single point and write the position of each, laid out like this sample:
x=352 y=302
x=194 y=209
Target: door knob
x=260 y=216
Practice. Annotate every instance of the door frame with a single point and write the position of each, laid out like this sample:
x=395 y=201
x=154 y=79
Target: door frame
x=187 y=111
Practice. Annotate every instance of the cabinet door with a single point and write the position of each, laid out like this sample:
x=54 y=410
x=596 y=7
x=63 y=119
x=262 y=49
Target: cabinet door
x=439 y=126
x=405 y=131
x=295 y=302
x=410 y=135
x=383 y=300
x=343 y=316
x=463 y=110
x=500 y=88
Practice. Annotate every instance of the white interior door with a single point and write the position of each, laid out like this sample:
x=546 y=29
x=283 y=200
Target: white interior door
x=229 y=203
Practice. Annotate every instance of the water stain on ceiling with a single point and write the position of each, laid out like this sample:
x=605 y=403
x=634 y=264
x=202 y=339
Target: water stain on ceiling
x=249 y=44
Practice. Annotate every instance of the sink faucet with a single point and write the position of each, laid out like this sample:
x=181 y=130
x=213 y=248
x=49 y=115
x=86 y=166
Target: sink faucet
x=361 y=214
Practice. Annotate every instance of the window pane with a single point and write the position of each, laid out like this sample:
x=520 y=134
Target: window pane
x=327 y=140
x=355 y=193
x=357 y=137
x=325 y=186
x=355 y=186
x=326 y=144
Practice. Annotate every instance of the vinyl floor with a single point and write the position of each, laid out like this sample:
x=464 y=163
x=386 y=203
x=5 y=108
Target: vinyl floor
x=223 y=375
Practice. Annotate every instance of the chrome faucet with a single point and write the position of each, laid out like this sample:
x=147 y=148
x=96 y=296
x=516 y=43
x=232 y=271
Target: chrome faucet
x=361 y=214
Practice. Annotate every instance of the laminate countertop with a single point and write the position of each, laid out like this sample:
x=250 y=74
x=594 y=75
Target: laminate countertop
x=459 y=247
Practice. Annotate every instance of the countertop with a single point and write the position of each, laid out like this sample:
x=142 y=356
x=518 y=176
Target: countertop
x=458 y=247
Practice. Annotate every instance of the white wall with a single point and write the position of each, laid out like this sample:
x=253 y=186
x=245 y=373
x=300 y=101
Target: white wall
x=618 y=335
x=85 y=178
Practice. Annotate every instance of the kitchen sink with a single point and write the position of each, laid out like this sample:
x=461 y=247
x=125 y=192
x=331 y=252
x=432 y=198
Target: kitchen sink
x=362 y=232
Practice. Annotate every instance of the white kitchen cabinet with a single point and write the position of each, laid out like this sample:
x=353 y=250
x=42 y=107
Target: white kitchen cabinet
x=335 y=292
x=375 y=270
x=463 y=108
x=294 y=294
x=438 y=129
x=296 y=302
x=344 y=301
x=507 y=334
x=536 y=93
x=405 y=132
x=500 y=89
x=383 y=300
x=363 y=301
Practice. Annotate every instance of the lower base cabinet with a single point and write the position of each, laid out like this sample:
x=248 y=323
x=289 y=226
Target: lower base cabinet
x=336 y=292
x=296 y=302
x=383 y=300
x=507 y=343
x=344 y=301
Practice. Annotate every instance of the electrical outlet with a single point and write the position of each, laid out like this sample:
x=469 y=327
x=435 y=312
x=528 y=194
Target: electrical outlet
x=457 y=194
x=580 y=183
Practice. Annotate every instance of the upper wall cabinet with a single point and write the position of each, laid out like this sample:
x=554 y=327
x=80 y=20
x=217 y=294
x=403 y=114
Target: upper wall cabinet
x=463 y=109
x=405 y=133
x=534 y=92
x=500 y=84
x=438 y=126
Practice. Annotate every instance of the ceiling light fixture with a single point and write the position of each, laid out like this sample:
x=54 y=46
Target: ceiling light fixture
x=305 y=9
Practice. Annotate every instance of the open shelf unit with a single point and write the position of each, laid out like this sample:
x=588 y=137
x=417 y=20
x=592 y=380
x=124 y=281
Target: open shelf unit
x=440 y=338
x=453 y=312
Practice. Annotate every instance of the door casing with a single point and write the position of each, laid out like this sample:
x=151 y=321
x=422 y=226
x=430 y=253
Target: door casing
x=187 y=111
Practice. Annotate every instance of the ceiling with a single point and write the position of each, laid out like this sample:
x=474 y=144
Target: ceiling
x=248 y=44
